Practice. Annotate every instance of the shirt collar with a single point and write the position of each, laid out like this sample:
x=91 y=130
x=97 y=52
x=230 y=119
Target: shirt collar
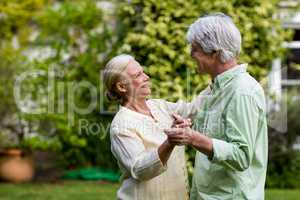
x=222 y=79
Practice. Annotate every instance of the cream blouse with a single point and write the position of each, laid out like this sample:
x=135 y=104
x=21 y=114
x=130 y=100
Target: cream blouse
x=135 y=139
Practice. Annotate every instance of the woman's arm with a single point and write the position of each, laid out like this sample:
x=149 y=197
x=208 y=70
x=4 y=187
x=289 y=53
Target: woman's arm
x=165 y=150
x=142 y=163
x=187 y=109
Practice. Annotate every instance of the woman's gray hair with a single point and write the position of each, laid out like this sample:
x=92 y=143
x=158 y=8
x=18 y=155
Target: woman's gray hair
x=113 y=73
x=216 y=33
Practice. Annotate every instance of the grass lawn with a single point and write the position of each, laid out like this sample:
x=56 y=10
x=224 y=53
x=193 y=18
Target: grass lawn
x=275 y=194
x=63 y=190
x=78 y=190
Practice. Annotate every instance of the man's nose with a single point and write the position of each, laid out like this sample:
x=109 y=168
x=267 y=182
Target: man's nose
x=146 y=77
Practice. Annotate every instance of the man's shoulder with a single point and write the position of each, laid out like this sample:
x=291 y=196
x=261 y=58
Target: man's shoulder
x=245 y=84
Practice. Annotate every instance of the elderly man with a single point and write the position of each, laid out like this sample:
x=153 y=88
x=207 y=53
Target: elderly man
x=230 y=130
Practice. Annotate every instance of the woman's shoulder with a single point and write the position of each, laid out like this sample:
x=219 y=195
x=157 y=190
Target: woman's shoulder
x=122 y=121
x=163 y=105
x=121 y=117
x=158 y=103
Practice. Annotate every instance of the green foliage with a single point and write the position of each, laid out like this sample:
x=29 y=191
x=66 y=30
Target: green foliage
x=14 y=33
x=43 y=144
x=16 y=16
x=284 y=159
x=66 y=42
x=156 y=30
x=283 y=171
x=8 y=59
x=80 y=41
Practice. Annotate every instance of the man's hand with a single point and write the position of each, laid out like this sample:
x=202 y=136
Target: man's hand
x=180 y=136
x=180 y=122
x=187 y=136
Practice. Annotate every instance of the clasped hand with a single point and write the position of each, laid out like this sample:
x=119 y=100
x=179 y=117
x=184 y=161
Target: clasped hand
x=180 y=133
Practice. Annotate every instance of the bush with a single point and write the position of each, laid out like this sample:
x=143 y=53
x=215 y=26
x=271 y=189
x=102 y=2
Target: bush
x=66 y=42
x=81 y=42
x=284 y=159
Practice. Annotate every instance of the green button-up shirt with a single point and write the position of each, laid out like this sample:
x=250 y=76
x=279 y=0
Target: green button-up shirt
x=234 y=116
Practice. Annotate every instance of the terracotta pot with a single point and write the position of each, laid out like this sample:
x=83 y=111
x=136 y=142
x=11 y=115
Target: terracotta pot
x=15 y=166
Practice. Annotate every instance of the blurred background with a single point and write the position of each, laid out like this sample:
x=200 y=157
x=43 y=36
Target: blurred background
x=54 y=125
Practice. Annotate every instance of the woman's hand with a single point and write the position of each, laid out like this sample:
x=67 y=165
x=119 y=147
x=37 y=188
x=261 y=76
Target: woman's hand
x=180 y=136
x=180 y=122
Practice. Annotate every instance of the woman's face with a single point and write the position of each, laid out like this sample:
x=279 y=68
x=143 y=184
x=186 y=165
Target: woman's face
x=139 y=85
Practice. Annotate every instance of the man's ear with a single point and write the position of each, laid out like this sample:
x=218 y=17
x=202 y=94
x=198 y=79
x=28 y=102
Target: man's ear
x=121 y=87
x=215 y=55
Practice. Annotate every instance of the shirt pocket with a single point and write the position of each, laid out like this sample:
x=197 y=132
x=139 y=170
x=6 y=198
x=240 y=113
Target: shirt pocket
x=214 y=125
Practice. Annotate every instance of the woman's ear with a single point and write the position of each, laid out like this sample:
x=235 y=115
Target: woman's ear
x=121 y=87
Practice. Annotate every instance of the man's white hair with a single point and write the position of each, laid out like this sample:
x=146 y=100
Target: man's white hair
x=216 y=33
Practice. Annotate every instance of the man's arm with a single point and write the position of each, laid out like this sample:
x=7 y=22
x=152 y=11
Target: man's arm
x=187 y=136
x=236 y=151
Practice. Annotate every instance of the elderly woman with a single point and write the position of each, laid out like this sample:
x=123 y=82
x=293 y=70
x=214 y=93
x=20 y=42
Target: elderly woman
x=152 y=167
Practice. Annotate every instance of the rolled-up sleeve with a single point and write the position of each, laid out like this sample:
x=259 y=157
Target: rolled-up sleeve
x=130 y=151
x=241 y=125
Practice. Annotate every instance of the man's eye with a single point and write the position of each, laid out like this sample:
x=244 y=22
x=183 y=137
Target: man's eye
x=137 y=75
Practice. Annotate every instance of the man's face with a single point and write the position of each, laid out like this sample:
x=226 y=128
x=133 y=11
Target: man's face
x=204 y=61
